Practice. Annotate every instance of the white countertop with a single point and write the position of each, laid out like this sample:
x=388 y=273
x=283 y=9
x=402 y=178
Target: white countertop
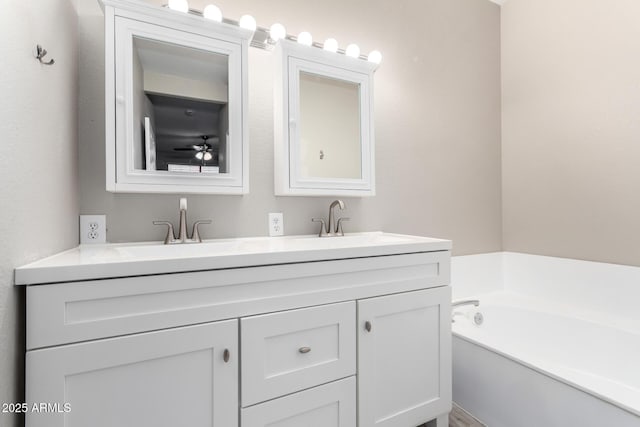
x=88 y=262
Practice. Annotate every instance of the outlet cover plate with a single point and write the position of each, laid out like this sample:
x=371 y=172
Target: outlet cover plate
x=93 y=229
x=276 y=224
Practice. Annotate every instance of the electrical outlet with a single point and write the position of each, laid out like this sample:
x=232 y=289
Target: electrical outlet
x=276 y=224
x=93 y=229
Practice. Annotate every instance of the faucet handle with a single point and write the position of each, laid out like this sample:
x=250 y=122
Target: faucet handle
x=323 y=227
x=195 y=234
x=170 y=237
x=339 y=230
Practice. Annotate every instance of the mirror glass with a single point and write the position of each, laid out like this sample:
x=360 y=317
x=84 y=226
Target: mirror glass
x=180 y=108
x=330 y=130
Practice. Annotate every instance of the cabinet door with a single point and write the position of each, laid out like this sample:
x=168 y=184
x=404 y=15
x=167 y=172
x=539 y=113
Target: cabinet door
x=329 y=405
x=309 y=86
x=178 y=377
x=159 y=65
x=404 y=358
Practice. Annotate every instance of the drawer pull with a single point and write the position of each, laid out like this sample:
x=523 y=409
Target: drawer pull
x=225 y=355
x=304 y=350
x=367 y=326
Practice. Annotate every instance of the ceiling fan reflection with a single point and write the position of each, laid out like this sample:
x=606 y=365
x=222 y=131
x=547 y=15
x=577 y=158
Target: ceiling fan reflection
x=203 y=151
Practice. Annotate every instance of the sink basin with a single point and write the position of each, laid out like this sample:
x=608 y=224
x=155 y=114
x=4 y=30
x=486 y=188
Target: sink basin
x=221 y=247
x=313 y=242
x=190 y=250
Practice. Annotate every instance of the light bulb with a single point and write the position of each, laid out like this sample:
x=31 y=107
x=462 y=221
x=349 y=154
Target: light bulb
x=199 y=155
x=305 y=38
x=352 y=50
x=248 y=22
x=331 y=45
x=207 y=156
x=212 y=12
x=179 y=5
x=277 y=32
x=375 y=56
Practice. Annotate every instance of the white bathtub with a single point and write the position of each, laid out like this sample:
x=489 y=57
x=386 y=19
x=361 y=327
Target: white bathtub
x=543 y=359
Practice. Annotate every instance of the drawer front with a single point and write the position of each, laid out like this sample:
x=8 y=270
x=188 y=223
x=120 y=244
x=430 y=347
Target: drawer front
x=329 y=405
x=289 y=351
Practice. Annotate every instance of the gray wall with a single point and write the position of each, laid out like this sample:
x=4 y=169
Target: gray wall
x=437 y=106
x=571 y=128
x=38 y=163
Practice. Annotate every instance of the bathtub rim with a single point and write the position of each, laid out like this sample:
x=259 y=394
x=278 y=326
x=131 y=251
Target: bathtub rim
x=551 y=375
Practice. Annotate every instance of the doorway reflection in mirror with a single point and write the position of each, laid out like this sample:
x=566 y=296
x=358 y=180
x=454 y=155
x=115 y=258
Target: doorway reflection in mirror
x=181 y=111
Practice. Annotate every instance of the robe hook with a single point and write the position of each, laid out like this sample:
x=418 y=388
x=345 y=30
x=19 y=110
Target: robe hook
x=40 y=54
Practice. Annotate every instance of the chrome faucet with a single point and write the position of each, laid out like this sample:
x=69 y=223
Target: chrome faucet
x=333 y=228
x=183 y=237
x=474 y=302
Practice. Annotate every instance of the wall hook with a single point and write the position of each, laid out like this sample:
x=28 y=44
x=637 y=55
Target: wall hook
x=40 y=54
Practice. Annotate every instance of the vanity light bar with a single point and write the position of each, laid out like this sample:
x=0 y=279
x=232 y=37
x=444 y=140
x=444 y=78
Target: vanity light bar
x=262 y=37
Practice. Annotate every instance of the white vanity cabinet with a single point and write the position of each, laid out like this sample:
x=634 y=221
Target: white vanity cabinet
x=326 y=341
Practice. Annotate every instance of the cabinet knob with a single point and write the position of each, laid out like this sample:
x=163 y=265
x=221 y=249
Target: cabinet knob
x=304 y=350
x=120 y=99
x=226 y=355
x=367 y=326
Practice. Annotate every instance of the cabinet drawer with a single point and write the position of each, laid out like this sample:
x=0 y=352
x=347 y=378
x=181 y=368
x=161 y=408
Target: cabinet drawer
x=289 y=351
x=329 y=405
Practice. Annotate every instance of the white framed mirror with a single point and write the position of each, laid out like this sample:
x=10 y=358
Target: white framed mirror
x=324 y=141
x=176 y=101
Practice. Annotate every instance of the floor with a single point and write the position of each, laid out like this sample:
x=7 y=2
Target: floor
x=458 y=417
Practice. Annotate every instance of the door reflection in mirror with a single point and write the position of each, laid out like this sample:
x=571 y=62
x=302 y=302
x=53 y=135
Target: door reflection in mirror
x=180 y=108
